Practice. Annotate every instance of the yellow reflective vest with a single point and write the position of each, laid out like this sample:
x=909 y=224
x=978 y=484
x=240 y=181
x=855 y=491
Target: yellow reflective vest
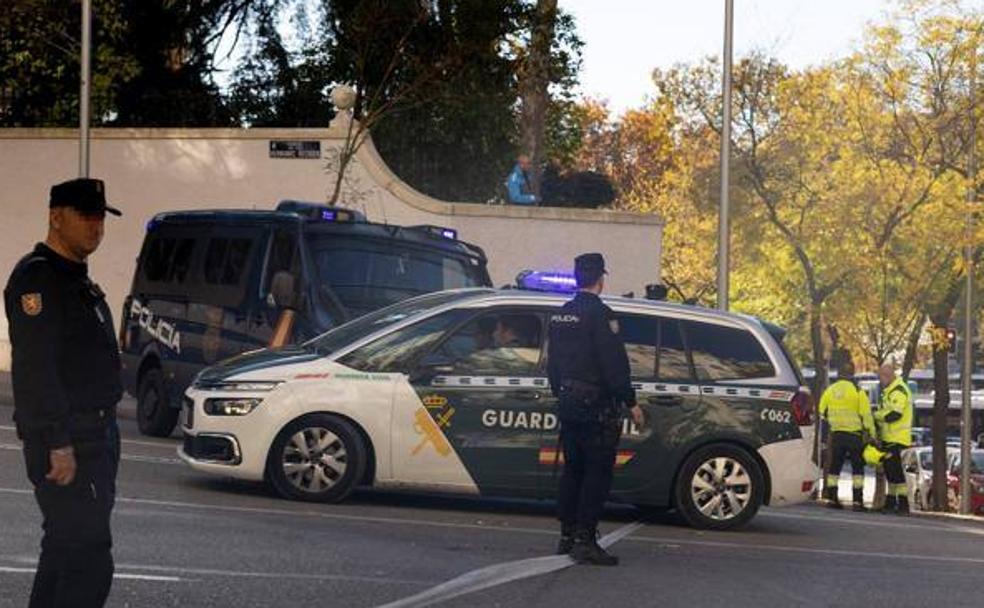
x=846 y=408
x=895 y=399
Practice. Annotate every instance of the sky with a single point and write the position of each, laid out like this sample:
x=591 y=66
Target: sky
x=626 y=39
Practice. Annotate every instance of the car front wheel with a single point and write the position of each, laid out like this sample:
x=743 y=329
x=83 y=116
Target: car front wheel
x=155 y=416
x=317 y=458
x=719 y=487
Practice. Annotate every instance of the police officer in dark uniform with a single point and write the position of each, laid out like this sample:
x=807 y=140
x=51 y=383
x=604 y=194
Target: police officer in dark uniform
x=66 y=381
x=589 y=375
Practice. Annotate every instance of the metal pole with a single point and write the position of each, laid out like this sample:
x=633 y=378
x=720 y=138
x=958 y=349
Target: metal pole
x=966 y=420
x=84 y=89
x=723 y=224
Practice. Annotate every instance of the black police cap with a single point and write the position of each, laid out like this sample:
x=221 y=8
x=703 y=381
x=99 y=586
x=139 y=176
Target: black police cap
x=590 y=263
x=84 y=194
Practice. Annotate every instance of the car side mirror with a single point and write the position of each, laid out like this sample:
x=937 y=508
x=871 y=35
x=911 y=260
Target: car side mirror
x=433 y=365
x=910 y=468
x=283 y=290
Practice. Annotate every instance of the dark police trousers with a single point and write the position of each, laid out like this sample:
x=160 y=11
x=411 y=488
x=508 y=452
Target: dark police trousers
x=589 y=461
x=76 y=564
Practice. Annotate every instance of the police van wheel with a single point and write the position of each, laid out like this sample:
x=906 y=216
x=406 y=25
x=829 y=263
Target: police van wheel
x=155 y=416
x=719 y=487
x=317 y=458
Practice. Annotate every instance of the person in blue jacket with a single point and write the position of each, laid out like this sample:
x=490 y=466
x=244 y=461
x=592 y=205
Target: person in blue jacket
x=518 y=183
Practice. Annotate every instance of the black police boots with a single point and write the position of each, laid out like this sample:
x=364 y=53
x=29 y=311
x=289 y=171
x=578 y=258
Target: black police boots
x=859 y=500
x=830 y=493
x=587 y=551
x=891 y=504
x=566 y=539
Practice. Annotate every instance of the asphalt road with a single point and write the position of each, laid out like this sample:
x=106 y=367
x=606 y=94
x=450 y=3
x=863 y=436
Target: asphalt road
x=187 y=540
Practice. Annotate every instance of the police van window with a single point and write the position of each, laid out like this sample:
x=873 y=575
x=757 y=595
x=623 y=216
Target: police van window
x=282 y=257
x=396 y=352
x=226 y=260
x=672 y=363
x=501 y=344
x=168 y=260
x=726 y=353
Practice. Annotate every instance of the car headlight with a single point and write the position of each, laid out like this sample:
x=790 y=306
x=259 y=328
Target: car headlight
x=241 y=386
x=230 y=407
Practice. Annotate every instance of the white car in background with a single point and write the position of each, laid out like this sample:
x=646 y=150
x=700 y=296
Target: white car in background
x=918 y=466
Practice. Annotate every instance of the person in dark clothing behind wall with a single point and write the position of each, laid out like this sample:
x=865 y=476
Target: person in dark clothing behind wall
x=589 y=374
x=66 y=381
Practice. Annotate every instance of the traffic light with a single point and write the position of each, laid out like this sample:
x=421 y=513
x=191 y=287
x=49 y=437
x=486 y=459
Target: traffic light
x=951 y=339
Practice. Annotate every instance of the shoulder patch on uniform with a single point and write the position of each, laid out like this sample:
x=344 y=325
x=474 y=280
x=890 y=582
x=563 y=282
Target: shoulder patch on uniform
x=31 y=304
x=613 y=324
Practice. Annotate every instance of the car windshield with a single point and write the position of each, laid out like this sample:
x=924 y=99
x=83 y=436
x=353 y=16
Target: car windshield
x=367 y=274
x=347 y=333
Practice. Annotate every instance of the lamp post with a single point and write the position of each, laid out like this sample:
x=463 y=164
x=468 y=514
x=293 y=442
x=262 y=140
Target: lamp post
x=84 y=88
x=723 y=224
x=966 y=419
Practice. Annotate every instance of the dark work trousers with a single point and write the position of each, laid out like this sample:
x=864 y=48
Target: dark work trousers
x=589 y=460
x=846 y=447
x=893 y=463
x=76 y=564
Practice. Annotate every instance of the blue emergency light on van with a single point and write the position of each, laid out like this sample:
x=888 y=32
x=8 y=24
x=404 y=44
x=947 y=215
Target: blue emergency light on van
x=320 y=211
x=535 y=280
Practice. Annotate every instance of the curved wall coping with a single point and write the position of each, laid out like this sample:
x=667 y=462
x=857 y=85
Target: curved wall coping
x=370 y=160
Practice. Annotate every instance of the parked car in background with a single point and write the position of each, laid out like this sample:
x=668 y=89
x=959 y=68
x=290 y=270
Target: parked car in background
x=917 y=463
x=976 y=483
x=921 y=436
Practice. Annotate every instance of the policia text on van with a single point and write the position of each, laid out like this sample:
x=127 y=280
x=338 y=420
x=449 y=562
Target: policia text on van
x=212 y=284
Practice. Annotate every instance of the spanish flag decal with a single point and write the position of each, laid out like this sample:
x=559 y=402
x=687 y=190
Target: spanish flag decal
x=547 y=456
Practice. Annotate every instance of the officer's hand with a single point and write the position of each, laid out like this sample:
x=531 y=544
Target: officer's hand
x=638 y=417
x=63 y=466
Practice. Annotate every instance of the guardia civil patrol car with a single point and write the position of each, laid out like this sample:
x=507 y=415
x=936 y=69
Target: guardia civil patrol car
x=448 y=392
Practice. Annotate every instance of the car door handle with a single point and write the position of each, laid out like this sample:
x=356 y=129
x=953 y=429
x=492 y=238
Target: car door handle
x=666 y=400
x=528 y=395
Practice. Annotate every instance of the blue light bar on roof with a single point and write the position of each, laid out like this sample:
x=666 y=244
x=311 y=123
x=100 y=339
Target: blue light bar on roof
x=535 y=280
x=329 y=215
x=448 y=233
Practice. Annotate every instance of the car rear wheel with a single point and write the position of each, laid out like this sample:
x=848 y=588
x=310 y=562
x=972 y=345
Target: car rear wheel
x=317 y=458
x=155 y=416
x=719 y=487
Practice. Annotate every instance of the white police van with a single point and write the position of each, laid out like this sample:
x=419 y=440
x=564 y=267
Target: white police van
x=448 y=392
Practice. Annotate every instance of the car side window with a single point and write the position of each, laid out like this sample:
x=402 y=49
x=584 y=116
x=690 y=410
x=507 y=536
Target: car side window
x=672 y=364
x=398 y=351
x=726 y=353
x=167 y=260
x=641 y=338
x=497 y=344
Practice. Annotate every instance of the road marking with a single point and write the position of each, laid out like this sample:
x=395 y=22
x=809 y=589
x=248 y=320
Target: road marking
x=116 y=575
x=128 y=457
x=156 y=444
x=501 y=574
x=203 y=572
x=842 y=552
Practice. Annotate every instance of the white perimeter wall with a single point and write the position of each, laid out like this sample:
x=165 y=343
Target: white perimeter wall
x=152 y=170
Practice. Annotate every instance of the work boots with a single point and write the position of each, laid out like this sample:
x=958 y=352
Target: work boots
x=859 y=500
x=891 y=504
x=587 y=551
x=902 y=505
x=566 y=539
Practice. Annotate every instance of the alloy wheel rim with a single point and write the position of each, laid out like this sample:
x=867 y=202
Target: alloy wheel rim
x=721 y=488
x=314 y=460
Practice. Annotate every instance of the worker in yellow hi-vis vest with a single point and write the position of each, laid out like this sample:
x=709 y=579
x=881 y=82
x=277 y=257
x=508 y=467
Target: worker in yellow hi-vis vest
x=894 y=421
x=847 y=411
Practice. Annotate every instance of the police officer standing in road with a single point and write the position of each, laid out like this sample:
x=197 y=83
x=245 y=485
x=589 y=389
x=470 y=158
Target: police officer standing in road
x=894 y=421
x=847 y=411
x=65 y=373
x=589 y=375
